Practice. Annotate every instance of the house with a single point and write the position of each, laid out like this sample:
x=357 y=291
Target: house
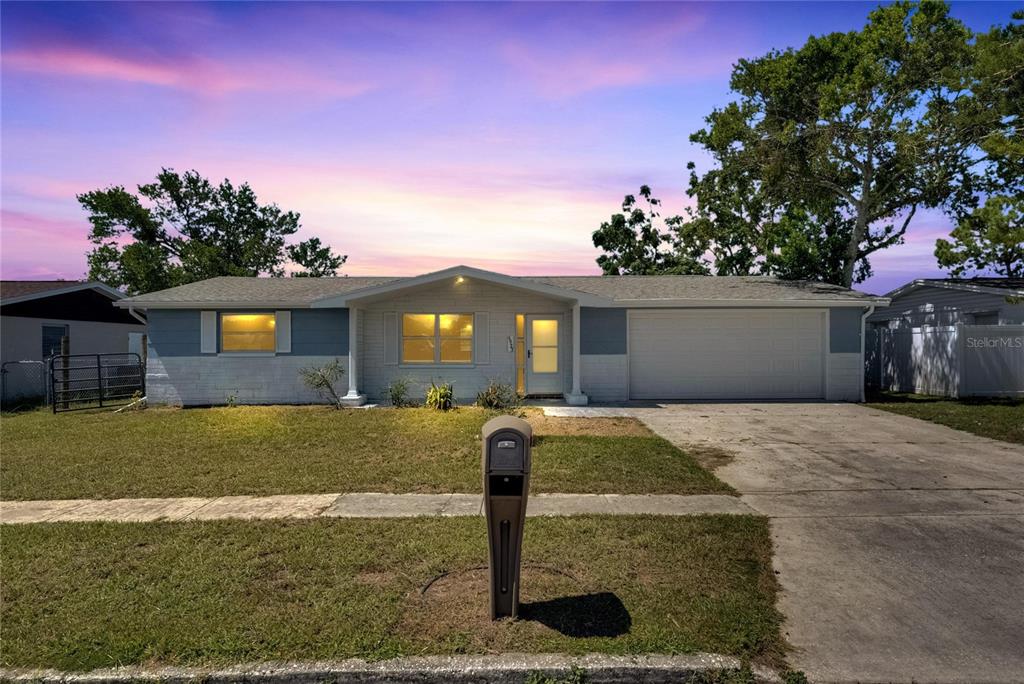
x=949 y=336
x=36 y=314
x=948 y=301
x=584 y=338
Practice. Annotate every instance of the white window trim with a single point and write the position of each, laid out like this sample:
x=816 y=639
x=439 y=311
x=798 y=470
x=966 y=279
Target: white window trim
x=437 y=362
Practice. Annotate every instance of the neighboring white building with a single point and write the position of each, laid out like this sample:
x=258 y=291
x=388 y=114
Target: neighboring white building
x=939 y=302
x=36 y=314
x=953 y=337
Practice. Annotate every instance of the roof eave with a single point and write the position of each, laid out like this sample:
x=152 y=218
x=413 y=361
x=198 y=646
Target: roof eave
x=114 y=295
x=751 y=303
x=144 y=305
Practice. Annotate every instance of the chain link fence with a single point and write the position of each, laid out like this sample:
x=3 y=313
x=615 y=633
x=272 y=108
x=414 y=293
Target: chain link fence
x=24 y=384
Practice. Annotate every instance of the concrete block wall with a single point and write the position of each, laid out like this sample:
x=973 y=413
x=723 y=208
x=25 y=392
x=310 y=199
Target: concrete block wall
x=845 y=376
x=204 y=380
x=605 y=377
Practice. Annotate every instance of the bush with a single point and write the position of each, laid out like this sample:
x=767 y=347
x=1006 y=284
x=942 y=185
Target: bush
x=322 y=379
x=398 y=393
x=440 y=397
x=499 y=396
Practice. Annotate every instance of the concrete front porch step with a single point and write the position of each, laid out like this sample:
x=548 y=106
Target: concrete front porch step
x=463 y=669
x=355 y=505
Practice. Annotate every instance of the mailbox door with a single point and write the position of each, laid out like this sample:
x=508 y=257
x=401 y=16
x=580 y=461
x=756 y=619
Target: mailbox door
x=507 y=452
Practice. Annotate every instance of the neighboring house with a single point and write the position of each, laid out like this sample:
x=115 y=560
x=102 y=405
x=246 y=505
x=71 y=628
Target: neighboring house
x=36 y=314
x=948 y=301
x=602 y=338
x=937 y=337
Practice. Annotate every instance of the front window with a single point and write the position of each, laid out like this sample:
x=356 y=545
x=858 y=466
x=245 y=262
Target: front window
x=437 y=338
x=247 y=332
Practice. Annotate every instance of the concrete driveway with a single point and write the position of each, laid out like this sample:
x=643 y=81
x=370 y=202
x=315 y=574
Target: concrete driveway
x=899 y=543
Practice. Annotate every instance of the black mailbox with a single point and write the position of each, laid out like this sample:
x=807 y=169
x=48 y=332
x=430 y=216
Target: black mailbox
x=506 y=473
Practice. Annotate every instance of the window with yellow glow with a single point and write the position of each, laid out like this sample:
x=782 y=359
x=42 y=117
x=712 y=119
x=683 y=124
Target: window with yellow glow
x=544 y=343
x=247 y=332
x=437 y=338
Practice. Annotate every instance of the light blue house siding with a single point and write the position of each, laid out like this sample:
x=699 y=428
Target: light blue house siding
x=177 y=372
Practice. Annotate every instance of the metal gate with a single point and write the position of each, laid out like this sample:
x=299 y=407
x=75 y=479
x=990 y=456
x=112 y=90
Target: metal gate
x=81 y=381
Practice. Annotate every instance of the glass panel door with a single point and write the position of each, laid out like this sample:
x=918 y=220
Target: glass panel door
x=543 y=374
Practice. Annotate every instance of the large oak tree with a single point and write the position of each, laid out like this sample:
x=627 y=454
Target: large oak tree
x=183 y=228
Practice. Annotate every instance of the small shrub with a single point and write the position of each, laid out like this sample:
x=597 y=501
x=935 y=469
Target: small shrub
x=499 y=396
x=398 y=393
x=321 y=379
x=440 y=397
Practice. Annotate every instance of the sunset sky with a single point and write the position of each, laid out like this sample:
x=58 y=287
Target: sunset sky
x=409 y=136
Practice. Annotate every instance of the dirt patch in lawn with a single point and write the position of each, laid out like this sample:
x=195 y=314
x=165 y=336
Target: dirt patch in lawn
x=453 y=609
x=595 y=427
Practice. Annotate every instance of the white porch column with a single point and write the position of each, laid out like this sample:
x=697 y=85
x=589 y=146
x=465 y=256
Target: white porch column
x=576 y=397
x=353 y=398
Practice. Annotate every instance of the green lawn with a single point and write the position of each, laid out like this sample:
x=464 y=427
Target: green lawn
x=292 y=450
x=78 y=596
x=989 y=417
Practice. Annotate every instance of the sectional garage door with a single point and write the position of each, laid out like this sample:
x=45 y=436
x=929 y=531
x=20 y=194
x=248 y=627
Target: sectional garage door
x=726 y=354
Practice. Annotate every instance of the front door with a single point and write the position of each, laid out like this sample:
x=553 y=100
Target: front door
x=543 y=362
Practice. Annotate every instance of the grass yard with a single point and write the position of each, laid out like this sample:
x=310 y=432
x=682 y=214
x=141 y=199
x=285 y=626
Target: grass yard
x=78 y=596
x=309 y=450
x=997 y=418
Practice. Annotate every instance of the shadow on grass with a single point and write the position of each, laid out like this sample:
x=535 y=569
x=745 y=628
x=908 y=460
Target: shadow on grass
x=907 y=398
x=586 y=615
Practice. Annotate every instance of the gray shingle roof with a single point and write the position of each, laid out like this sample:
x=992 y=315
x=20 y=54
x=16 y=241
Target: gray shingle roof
x=652 y=288
x=9 y=289
x=241 y=290
x=304 y=291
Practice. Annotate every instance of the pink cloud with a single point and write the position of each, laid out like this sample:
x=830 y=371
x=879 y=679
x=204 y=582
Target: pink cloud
x=21 y=237
x=201 y=76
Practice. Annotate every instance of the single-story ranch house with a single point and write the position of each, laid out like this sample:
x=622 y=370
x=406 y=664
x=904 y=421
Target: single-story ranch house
x=596 y=338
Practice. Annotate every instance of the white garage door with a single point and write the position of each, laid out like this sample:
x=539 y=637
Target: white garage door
x=726 y=354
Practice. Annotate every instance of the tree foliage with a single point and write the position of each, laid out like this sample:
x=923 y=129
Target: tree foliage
x=830 y=149
x=635 y=244
x=182 y=228
x=991 y=238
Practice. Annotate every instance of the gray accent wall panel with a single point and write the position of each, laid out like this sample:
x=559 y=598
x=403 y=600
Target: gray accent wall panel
x=320 y=332
x=844 y=330
x=602 y=331
x=173 y=332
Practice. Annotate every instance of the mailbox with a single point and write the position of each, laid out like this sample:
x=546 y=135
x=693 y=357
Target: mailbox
x=506 y=471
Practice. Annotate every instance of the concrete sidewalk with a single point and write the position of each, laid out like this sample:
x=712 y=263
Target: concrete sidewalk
x=360 y=505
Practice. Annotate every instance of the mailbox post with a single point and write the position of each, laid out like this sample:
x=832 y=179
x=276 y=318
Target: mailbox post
x=506 y=470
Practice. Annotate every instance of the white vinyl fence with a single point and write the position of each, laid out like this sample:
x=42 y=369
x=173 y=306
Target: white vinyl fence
x=953 y=361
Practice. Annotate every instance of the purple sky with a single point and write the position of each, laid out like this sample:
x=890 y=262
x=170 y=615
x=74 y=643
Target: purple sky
x=410 y=136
